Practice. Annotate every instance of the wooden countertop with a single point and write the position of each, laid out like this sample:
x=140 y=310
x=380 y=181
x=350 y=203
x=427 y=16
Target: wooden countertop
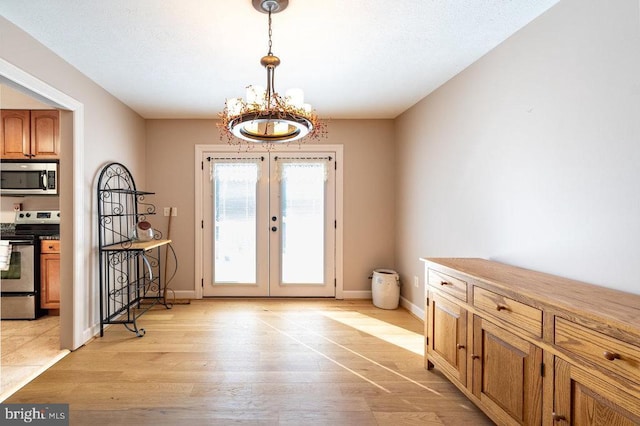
x=599 y=303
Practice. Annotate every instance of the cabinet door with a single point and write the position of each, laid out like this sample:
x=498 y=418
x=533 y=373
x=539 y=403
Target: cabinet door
x=50 y=281
x=583 y=400
x=15 y=135
x=507 y=374
x=447 y=336
x=45 y=129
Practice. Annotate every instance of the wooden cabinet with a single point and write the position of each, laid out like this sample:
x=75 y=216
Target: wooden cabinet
x=45 y=134
x=582 y=399
x=15 y=134
x=507 y=374
x=595 y=390
x=534 y=349
x=447 y=337
x=50 y=274
x=28 y=134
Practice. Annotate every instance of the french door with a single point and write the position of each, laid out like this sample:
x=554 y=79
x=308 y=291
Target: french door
x=268 y=224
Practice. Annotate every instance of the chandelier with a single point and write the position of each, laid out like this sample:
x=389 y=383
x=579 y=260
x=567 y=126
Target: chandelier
x=265 y=116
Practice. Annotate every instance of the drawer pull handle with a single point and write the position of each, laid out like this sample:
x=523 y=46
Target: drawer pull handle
x=444 y=283
x=611 y=355
x=459 y=346
x=502 y=308
x=557 y=417
x=474 y=356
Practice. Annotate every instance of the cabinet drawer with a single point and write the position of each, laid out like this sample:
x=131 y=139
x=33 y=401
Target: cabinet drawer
x=517 y=313
x=448 y=284
x=50 y=246
x=605 y=351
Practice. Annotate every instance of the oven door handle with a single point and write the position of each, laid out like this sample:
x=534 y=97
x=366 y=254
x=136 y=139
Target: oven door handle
x=21 y=243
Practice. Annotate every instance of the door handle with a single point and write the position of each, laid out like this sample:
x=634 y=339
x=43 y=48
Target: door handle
x=43 y=180
x=274 y=228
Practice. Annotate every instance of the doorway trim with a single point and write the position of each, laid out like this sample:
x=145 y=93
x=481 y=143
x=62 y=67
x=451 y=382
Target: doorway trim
x=73 y=307
x=198 y=165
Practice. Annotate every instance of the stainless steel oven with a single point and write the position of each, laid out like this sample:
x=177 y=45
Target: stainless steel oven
x=19 y=277
x=20 y=297
x=20 y=285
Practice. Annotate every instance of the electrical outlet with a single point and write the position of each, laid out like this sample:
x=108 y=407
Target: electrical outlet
x=167 y=211
x=416 y=281
x=174 y=211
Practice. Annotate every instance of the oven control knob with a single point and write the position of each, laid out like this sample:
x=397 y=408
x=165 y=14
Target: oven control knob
x=21 y=215
x=58 y=214
x=28 y=214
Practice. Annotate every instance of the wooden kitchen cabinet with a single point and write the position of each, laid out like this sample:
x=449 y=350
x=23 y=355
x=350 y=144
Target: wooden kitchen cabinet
x=539 y=349
x=28 y=134
x=15 y=134
x=50 y=274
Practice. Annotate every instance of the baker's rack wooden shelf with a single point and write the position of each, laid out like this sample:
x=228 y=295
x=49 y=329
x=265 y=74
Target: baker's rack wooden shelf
x=131 y=280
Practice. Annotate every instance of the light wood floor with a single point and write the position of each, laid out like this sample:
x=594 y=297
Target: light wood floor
x=262 y=362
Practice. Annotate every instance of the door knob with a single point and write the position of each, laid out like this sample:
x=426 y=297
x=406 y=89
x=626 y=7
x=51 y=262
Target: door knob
x=274 y=228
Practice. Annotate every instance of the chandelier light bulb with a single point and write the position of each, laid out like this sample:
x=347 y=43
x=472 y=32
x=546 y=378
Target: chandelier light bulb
x=295 y=97
x=255 y=95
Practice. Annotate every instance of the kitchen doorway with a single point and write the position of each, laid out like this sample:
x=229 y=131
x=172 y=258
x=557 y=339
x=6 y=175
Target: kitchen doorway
x=32 y=338
x=269 y=223
x=74 y=309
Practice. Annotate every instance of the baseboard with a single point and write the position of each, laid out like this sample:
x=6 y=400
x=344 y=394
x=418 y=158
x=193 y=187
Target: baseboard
x=357 y=294
x=181 y=294
x=90 y=333
x=417 y=311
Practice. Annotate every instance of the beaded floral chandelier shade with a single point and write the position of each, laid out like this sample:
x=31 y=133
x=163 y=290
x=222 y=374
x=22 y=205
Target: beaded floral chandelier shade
x=264 y=116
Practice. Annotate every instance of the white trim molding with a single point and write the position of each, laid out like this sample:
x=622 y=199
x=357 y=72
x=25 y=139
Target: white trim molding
x=201 y=149
x=74 y=308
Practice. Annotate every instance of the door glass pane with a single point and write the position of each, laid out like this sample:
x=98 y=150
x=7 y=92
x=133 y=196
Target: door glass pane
x=302 y=189
x=234 y=198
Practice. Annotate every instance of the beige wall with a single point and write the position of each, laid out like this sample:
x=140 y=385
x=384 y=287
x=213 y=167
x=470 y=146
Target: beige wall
x=112 y=132
x=530 y=156
x=369 y=200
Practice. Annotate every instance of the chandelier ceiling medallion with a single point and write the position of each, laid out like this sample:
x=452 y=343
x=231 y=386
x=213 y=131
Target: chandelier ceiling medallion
x=265 y=116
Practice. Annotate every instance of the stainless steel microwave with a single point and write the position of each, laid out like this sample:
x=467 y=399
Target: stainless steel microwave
x=28 y=178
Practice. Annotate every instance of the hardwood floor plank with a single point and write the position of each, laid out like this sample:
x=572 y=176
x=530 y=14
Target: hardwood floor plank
x=256 y=362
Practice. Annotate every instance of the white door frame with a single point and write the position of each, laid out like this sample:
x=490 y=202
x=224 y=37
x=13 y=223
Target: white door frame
x=74 y=296
x=311 y=147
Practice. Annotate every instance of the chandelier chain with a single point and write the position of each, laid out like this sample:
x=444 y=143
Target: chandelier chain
x=270 y=53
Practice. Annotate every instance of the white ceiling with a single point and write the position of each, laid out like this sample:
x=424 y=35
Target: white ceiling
x=354 y=59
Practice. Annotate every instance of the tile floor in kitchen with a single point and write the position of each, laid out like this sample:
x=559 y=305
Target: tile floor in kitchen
x=27 y=348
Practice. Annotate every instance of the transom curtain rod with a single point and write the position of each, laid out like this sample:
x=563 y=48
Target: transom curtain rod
x=303 y=158
x=235 y=158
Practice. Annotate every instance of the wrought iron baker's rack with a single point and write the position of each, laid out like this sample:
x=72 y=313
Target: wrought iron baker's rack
x=130 y=274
